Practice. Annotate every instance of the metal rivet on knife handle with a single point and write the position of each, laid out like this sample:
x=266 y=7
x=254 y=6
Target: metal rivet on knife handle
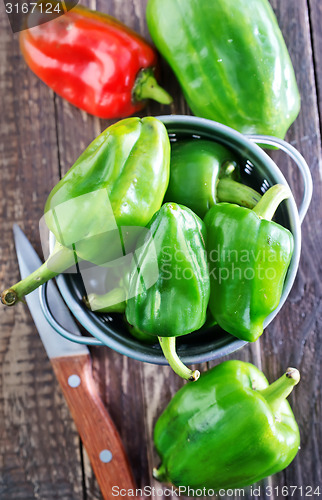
x=106 y=456
x=74 y=380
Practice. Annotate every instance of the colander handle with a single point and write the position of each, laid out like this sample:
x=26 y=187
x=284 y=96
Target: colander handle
x=299 y=160
x=80 y=339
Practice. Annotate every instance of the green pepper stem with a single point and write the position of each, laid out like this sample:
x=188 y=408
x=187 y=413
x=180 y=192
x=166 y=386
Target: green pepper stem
x=112 y=301
x=279 y=390
x=146 y=87
x=168 y=346
x=59 y=260
x=235 y=192
x=270 y=201
x=160 y=474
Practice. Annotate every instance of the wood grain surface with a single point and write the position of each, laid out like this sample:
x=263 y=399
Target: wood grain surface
x=41 y=456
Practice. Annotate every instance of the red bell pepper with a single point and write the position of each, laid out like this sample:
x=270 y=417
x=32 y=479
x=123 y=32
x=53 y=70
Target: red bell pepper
x=95 y=62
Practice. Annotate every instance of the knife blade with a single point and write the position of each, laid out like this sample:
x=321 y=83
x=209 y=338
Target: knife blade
x=73 y=369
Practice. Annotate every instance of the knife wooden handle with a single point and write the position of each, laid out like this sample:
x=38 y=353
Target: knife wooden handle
x=96 y=429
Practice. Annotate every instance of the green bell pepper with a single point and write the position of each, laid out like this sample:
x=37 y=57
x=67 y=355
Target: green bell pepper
x=248 y=259
x=209 y=323
x=203 y=173
x=145 y=338
x=231 y=61
x=229 y=430
x=97 y=209
x=169 y=281
x=114 y=301
x=119 y=181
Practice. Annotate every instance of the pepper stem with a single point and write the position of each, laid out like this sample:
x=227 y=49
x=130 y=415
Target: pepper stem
x=146 y=87
x=160 y=474
x=270 y=201
x=279 y=390
x=168 y=346
x=234 y=192
x=59 y=260
x=112 y=301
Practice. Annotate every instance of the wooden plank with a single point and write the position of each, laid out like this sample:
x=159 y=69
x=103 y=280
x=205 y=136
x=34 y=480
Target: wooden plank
x=315 y=18
x=39 y=455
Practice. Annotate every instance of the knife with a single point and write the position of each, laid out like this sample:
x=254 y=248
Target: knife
x=72 y=366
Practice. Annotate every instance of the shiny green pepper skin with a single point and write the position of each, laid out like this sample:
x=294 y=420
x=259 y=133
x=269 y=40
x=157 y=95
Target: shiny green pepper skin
x=119 y=181
x=141 y=336
x=203 y=173
x=100 y=207
x=176 y=303
x=169 y=282
x=229 y=430
x=114 y=294
x=209 y=323
x=248 y=259
x=231 y=61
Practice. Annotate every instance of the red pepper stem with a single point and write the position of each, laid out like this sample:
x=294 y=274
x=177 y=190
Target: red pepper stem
x=168 y=346
x=146 y=87
x=279 y=390
x=270 y=201
x=112 y=301
x=231 y=191
x=59 y=260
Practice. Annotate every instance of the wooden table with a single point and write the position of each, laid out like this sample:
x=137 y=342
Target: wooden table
x=41 y=456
